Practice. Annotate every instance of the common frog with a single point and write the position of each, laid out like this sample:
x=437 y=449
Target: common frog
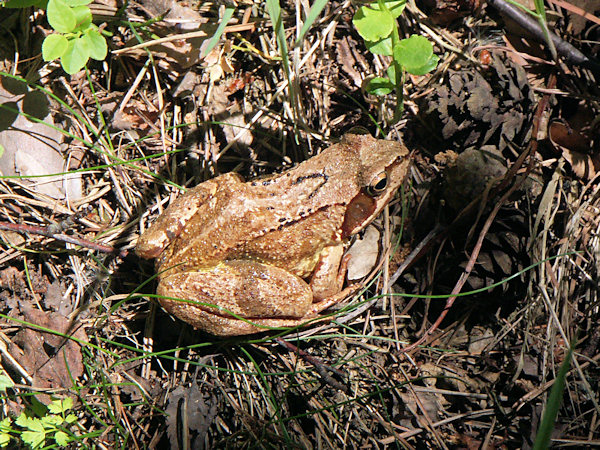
x=271 y=250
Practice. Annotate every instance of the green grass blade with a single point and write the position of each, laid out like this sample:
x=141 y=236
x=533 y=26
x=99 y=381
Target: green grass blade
x=215 y=39
x=542 y=440
x=541 y=16
x=540 y=9
x=315 y=11
x=274 y=11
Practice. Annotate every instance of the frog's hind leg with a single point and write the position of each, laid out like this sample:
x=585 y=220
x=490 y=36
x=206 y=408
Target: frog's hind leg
x=226 y=299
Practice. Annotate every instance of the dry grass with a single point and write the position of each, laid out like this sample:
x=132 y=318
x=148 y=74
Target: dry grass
x=141 y=378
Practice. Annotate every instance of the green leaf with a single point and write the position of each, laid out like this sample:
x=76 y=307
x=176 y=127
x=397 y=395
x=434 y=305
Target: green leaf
x=36 y=433
x=4 y=439
x=60 y=406
x=60 y=16
x=547 y=424
x=33 y=438
x=74 y=3
x=5 y=424
x=274 y=11
x=214 y=40
x=23 y=420
x=428 y=67
x=379 y=86
x=54 y=46
x=75 y=57
x=38 y=408
x=83 y=16
x=5 y=381
x=96 y=44
x=51 y=421
x=36 y=425
x=5 y=430
x=414 y=53
x=373 y=25
x=381 y=47
x=62 y=438
x=394 y=6
x=391 y=72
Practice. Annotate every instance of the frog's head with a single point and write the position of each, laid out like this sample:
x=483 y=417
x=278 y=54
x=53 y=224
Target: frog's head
x=382 y=168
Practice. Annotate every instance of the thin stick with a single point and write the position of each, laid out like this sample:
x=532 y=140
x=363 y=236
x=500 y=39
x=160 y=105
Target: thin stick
x=49 y=232
x=319 y=365
x=528 y=22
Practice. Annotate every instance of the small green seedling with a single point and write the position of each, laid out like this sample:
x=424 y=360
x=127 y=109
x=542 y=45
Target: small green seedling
x=376 y=23
x=76 y=39
x=39 y=428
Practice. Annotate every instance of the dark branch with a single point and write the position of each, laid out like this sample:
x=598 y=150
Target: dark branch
x=532 y=26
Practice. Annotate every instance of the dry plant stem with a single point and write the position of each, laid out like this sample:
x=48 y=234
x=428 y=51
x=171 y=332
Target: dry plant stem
x=183 y=36
x=428 y=425
x=576 y=10
x=548 y=384
x=46 y=231
x=319 y=366
x=458 y=417
x=477 y=248
x=419 y=251
x=527 y=22
x=9 y=360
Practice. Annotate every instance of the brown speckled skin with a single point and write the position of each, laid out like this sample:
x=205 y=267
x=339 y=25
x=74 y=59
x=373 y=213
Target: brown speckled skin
x=248 y=247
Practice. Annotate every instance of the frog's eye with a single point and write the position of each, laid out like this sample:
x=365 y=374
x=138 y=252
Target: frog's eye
x=378 y=184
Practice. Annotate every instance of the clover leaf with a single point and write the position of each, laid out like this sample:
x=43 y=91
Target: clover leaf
x=415 y=55
x=373 y=24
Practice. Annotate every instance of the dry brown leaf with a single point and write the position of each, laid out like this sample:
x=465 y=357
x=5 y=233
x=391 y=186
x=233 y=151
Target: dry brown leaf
x=177 y=14
x=52 y=360
x=229 y=112
x=217 y=63
x=479 y=339
x=575 y=148
x=200 y=410
x=30 y=147
x=135 y=116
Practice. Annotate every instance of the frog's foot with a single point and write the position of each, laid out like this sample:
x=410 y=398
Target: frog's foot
x=333 y=300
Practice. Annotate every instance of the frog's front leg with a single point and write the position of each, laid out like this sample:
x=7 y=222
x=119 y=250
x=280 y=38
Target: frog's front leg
x=173 y=220
x=211 y=299
x=329 y=275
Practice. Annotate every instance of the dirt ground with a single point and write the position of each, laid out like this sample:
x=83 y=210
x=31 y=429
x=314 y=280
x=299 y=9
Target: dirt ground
x=480 y=275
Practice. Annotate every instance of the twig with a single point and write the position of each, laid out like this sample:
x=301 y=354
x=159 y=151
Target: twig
x=527 y=22
x=576 y=10
x=319 y=365
x=49 y=232
x=183 y=36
